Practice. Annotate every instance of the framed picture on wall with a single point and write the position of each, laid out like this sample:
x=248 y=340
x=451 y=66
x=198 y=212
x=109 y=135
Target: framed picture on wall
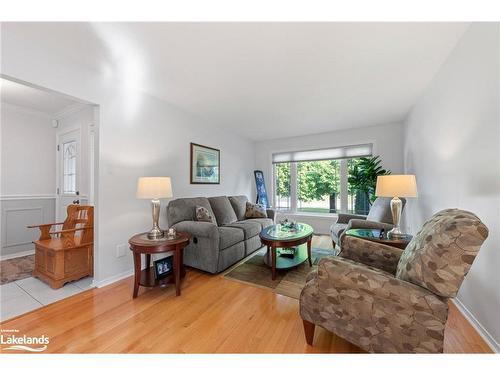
x=205 y=164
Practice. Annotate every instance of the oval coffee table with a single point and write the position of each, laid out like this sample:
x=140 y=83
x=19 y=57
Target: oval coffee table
x=277 y=238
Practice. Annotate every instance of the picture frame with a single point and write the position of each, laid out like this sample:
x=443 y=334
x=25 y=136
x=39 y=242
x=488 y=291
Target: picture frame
x=163 y=267
x=204 y=164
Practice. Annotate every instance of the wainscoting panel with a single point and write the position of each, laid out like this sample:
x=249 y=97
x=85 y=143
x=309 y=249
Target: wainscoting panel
x=17 y=214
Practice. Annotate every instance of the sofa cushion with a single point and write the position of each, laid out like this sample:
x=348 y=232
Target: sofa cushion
x=263 y=222
x=255 y=211
x=229 y=236
x=249 y=228
x=202 y=214
x=239 y=203
x=183 y=209
x=223 y=210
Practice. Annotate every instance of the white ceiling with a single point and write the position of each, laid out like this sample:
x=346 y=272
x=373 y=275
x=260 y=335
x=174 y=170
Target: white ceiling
x=265 y=80
x=24 y=96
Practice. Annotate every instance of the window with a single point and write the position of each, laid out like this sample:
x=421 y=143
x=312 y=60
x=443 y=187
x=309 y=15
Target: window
x=318 y=186
x=69 y=167
x=282 y=186
x=317 y=181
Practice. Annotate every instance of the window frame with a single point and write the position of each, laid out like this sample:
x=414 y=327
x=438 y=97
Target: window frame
x=344 y=193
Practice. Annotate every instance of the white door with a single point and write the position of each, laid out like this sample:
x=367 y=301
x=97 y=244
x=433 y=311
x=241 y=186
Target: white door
x=68 y=171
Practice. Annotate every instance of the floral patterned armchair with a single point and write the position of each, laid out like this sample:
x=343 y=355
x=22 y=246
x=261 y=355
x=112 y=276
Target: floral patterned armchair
x=388 y=300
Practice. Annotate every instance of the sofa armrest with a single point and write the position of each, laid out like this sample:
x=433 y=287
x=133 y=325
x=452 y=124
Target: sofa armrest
x=371 y=253
x=270 y=213
x=198 y=228
x=382 y=292
x=345 y=218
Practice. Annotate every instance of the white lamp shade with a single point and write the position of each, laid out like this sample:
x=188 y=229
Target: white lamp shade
x=402 y=185
x=154 y=188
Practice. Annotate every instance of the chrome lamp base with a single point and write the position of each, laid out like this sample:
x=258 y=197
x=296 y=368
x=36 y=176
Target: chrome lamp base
x=155 y=233
x=396 y=208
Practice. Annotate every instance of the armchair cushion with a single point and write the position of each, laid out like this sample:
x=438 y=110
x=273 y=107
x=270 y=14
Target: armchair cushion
x=381 y=210
x=373 y=254
x=372 y=309
x=440 y=255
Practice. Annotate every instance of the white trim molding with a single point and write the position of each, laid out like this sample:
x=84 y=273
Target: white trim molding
x=492 y=343
x=17 y=255
x=15 y=197
x=114 y=278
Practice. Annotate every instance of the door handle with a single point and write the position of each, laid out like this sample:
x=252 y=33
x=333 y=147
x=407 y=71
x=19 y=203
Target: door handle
x=76 y=201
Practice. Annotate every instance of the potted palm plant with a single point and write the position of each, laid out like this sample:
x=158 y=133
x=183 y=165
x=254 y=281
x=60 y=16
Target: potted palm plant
x=363 y=177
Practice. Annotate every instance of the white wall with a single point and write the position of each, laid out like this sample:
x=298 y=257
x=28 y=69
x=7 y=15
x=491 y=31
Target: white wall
x=452 y=146
x=138 y=136
x=28 y=150
x=387 y=142
x=27 y=188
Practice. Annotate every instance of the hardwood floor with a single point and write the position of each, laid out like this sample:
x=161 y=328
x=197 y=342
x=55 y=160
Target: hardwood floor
x=213 y=315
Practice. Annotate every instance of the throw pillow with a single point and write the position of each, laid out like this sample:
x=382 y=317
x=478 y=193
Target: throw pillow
x=255 y=211
x=202 y=214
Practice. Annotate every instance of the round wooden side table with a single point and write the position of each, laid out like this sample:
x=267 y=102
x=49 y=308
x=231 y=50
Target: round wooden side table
x=140 y=244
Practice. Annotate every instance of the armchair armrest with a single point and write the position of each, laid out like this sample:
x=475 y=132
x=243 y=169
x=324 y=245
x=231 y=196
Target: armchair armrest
x=371 y=253
x=198 y=228
x=44 y=230
x=43 y=225
x=382 y=292
x=345 y=218
x=368 y=224
x=66 y=231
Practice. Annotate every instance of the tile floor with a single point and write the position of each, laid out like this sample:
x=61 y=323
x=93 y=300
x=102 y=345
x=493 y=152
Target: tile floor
x=22 y=296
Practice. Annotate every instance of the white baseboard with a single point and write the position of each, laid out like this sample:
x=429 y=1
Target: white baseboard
x=17 y=255
x=492 y=343
x=114 y=278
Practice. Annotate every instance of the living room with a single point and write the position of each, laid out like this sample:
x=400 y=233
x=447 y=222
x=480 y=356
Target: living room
x=194 y=118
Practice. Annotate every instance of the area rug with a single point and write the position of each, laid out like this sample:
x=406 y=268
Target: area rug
x=16 y=269
x=288 y=283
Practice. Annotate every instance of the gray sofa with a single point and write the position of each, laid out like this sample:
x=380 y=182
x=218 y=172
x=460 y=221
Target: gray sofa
x=379 y=217
x=215 y=247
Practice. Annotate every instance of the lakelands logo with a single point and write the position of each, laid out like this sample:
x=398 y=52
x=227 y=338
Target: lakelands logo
x=22 y=342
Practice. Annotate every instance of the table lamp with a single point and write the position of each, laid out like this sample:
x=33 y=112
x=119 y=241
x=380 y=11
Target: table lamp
x=154 y=188
x=395 y=186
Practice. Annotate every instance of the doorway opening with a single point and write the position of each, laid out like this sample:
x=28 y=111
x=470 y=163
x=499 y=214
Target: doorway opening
x=49 y=154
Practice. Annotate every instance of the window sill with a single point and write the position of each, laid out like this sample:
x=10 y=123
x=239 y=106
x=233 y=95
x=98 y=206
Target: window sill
x=307 y=214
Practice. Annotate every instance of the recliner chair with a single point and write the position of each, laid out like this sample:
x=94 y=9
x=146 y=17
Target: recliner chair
x=379 y=217
x=387 y=300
